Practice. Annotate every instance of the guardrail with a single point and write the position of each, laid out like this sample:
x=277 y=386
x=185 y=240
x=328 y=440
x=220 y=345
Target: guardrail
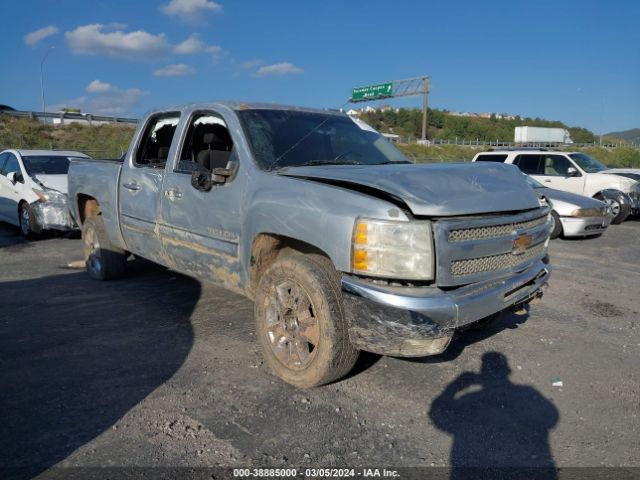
x=70 y=117
x=500 y=143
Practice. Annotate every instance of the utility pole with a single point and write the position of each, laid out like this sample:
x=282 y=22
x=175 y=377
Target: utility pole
x=44 y=108
x=425 y=86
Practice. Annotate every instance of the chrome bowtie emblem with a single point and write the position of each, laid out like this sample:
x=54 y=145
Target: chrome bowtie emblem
x=521 y=244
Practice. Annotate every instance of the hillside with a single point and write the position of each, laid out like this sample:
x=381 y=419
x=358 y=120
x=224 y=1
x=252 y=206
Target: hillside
x=408 y=123
x=631 y=136
x=99 y=141
x=110 y=141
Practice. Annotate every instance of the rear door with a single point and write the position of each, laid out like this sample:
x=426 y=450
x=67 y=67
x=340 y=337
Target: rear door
x=4 y=191
x=140 y=187
x=201 y=229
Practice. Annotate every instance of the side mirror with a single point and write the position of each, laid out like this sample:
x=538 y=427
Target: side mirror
x=201 y=180
x=572 y=172
x=11 y=176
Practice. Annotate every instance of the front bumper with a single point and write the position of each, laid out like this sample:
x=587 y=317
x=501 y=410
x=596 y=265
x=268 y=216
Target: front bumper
x=53 y=216
x=580 y=227
x=405 y=321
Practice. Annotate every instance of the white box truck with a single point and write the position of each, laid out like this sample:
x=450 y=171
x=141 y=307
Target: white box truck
x=542 y=135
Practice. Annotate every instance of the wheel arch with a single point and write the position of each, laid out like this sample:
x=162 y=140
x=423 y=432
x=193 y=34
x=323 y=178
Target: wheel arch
x=267 y=247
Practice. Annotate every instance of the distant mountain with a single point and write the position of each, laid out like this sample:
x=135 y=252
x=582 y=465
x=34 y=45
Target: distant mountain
x=632 y=135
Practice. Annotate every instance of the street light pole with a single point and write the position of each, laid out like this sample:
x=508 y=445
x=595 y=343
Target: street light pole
x=44 y=108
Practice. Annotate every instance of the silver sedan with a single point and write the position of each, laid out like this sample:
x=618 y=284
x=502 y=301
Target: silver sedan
x=574 y=215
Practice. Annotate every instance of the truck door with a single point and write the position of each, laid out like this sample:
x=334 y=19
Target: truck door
x=140 y=186
x=201 y=229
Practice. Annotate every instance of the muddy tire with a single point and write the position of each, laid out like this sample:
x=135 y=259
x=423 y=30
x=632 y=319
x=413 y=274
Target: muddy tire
x=300 y=322
x=103 y=260
x=557 y=225
x=29 y=227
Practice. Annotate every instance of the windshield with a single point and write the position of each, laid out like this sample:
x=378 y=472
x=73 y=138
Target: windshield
x=46 y=165
x=533 y=183
x=289 y=138
x=588 y=164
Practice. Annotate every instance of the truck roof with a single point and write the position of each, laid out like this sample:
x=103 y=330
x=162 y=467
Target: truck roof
x=239 y=106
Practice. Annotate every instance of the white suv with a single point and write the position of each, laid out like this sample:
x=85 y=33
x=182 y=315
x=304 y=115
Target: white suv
x=576 y=172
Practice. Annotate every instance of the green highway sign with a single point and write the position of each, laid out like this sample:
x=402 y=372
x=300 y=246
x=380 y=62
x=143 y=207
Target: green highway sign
x=371 y=92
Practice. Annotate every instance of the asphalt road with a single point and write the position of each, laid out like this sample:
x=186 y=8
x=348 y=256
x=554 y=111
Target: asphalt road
x=160 y=370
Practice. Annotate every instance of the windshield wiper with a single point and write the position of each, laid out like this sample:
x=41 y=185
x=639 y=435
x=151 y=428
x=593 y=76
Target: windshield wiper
x=394 y=162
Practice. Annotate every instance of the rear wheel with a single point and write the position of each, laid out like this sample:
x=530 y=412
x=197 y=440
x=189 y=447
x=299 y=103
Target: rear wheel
x=28 y=224
x=301 y=328
x=103 y=260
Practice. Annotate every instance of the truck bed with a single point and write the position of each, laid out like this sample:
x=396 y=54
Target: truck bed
x=97 y=178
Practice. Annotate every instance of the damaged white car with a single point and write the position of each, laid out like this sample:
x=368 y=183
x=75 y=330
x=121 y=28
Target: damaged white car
x=33 y=190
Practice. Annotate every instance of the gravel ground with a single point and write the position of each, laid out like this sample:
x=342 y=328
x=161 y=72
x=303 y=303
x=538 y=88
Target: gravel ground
x=158 y=369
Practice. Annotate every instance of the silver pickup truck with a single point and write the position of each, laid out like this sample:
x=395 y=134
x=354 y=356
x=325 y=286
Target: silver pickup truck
x=342 y=243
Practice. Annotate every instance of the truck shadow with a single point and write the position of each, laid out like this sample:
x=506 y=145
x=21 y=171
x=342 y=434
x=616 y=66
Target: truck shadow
x=76 y=355
x=499 y=429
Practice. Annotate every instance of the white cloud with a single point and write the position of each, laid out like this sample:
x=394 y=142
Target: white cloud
x=36 y=36
x=190 y=10
x=283 y=68
x=99 y=87
x=177 y=70
x=193 y=44
x=105 y=99
x=97 y=39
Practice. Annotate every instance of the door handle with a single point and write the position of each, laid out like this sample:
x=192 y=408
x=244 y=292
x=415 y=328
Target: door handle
x=132 y=186
x=547 y=181
x=172 y=194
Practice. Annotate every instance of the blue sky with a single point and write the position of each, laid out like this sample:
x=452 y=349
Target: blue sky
x=575 y=61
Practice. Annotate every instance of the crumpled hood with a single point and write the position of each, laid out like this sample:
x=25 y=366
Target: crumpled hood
x=632 y=173
x=436 y=189
x=56 y=182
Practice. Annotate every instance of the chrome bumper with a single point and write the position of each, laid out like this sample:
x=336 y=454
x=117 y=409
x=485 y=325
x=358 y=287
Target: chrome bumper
x=394 y=320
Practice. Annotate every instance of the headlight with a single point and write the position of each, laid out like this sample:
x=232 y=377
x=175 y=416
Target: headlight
x=50 y=196
x=402 y=250
x=589 y=212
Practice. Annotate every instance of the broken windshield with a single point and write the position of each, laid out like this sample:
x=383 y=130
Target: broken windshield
x=292 y=138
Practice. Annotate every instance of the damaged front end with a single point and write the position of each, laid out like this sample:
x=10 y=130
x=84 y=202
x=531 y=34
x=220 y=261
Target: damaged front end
x=51 y=211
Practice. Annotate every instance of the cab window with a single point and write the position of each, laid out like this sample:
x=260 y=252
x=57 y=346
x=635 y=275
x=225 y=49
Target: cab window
x=556 y=166
x=207 y=144
x=155 y=143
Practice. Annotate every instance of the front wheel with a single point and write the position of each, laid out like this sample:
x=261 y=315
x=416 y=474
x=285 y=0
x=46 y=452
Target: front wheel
x=301 y=327
x=619 y=208
x=28 y=224
x=103 y=260
x=556 y=231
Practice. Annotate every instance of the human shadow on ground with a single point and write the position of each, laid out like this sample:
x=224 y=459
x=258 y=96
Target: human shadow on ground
x=76 y=355
x=499 y=429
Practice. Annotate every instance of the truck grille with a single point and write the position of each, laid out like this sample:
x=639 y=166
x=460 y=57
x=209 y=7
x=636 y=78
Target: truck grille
x=493 y=231
x=493 y=263
x=484 y=247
